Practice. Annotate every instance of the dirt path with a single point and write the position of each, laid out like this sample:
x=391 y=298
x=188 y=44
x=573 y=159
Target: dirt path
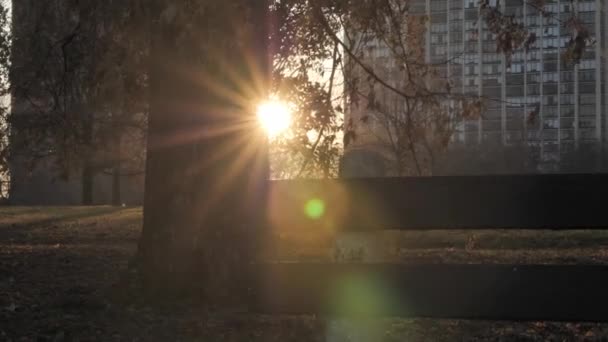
x=58 y=264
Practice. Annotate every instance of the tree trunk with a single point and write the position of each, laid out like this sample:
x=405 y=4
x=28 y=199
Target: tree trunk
x=87 y=184
x=116 y=168
x=116 y=186
x=87 y=168
x=206 y=167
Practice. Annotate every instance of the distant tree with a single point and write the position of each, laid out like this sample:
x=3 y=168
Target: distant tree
x=5 y=49
x=79 y=78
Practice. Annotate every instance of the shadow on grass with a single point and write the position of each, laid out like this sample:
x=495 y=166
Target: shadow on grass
x=57 y=216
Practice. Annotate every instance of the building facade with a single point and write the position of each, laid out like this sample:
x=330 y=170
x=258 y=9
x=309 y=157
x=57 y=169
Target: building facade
x=568 y=132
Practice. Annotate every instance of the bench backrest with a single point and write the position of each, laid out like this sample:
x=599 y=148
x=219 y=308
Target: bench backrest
x=482 y=291
x=474 y=202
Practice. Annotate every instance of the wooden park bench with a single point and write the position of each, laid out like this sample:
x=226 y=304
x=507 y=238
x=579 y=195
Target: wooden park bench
x=467 y=291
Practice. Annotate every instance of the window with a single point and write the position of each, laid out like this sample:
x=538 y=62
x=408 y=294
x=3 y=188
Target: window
x=567 y=99
x=567 y=88
x=470 y=25
x=549 y=43
x=438 y=50
x=533 y=100
x=587 y=18
x=518 y=56
x=492 y=81
x=533 y=66
x=471 y=36
x=489 y=46
x=550 y=123
x=533 y=55
x=515 y=11
x=551 y=31
x=586 y=88
x=587 y=64
x=586 y=6
x=455 y=49
x=533 y=78
x=491 y=57
x=586 y=123
x=587 y=99
x=439 y=27
x=515 y=91
x=516 y=68
x=550 y=66
x=456 y=15
x=567 y=76
x=587 y=110
x=550 y=111
x=549 y=100
x=455 y=4
x=472 y=81
x=438 y=38
x=533 y=89
x=550 y=88
x=471 y=48
x=437 y=6
x=532 y=20
x=587 y=75
x=550 y=77
x=551 y=8
x=470 y=15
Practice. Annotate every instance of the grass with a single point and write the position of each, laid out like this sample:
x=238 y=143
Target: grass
x=58 y=264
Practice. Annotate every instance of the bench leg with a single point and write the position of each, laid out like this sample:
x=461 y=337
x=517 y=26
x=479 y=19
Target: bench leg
x=358 y=247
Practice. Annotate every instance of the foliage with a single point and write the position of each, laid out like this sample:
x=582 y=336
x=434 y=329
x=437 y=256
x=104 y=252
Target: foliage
x=401 y=104
x=79 y=86
x=313 y=30
x=5 y=46
x=323 y=64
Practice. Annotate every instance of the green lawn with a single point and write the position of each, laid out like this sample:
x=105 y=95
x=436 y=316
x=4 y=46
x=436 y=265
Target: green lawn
x=58 y=266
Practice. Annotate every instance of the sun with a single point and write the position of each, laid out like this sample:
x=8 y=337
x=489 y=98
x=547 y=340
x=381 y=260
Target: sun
x=274 y=116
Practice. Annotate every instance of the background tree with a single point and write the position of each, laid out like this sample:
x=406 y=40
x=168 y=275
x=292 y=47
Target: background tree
x=79 y=73
x=5 y=46
x=400 y=102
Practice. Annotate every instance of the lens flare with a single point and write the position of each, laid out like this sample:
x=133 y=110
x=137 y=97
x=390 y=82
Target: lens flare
x=315 y=208
x=274 y=116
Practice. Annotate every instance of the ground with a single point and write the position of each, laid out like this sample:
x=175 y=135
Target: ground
x=58 y=267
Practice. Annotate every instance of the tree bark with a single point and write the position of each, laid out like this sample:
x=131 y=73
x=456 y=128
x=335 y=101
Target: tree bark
x=116 y=168
x=87 y=167
x=116 y=186
x=206 y=167
x=87 y=184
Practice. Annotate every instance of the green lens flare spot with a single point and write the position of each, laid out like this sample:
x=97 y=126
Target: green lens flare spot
x=315 y=208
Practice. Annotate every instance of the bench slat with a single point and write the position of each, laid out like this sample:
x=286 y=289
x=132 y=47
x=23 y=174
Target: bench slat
x=567 y=201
